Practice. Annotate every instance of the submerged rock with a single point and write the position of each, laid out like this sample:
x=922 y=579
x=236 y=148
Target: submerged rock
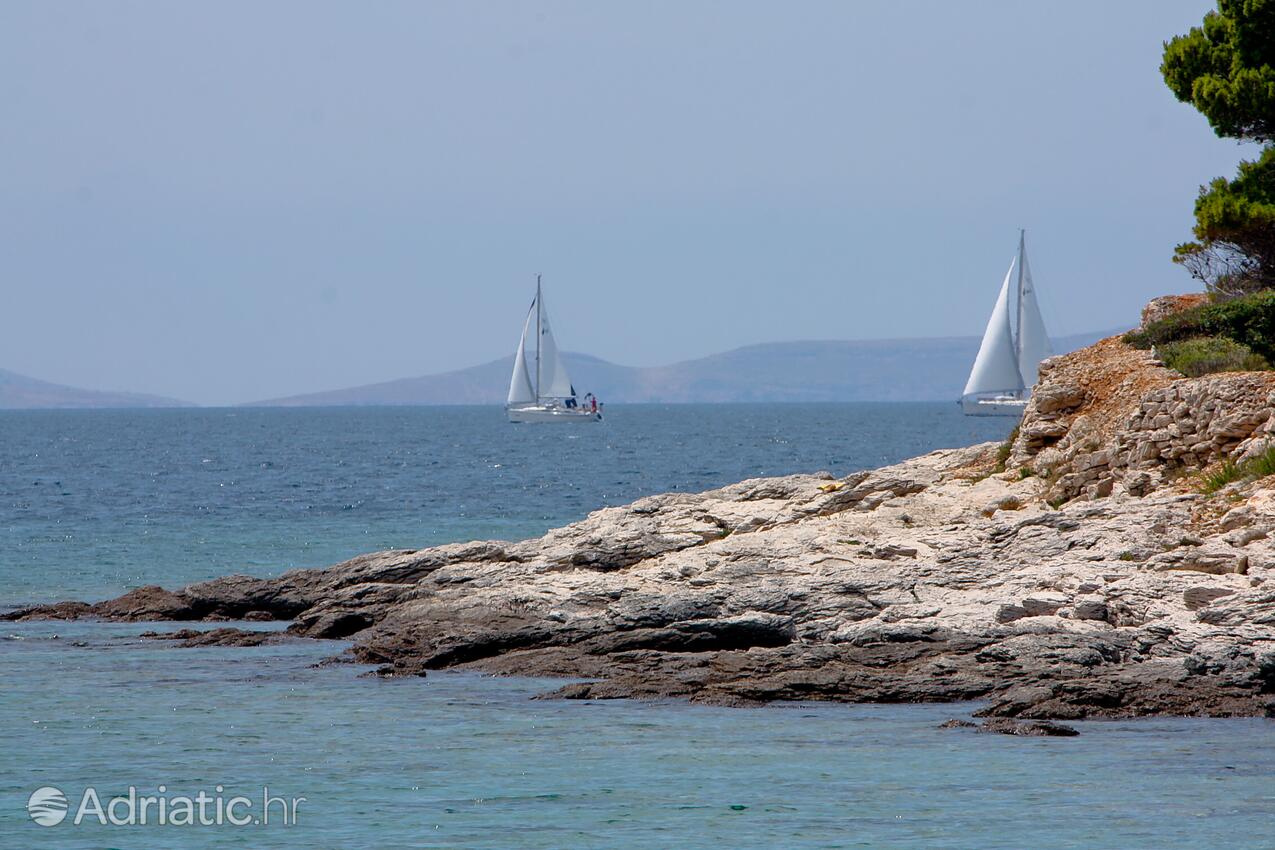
x=958 y=724
x=1033 y=728
x=1006 y=726
x=217 y=637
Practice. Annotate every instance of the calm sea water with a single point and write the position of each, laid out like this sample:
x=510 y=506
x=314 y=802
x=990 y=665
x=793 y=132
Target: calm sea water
x=94 y=503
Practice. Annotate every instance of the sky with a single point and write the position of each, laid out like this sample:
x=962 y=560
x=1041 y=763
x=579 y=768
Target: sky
x=232 y=201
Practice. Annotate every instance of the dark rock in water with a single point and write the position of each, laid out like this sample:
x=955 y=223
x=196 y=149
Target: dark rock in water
x=331 y=625
x=145 y=603
x=1139 y=690
x=958 y=724
x=217 y=637
x=57 y=611
x=391 y=671
x=1031 y=728
x=1006 y=726
x=231 y=598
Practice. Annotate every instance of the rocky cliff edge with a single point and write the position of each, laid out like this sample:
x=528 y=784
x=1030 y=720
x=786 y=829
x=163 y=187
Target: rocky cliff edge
x=1080 y=570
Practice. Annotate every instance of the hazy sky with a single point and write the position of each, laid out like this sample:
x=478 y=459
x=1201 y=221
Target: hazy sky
x=229 y=201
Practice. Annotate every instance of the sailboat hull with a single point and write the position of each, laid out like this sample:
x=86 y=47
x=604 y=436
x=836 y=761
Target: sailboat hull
x=541 y=413
x=993 y=406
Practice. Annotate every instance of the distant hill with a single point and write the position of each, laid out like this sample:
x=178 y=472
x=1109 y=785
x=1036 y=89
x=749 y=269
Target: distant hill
x=862 y=370
x=18 y=392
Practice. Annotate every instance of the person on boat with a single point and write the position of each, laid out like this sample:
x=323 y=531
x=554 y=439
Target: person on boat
x=593 y=402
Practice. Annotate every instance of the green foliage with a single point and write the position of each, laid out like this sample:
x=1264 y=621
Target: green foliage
x=1226 y=69
x=1262 y=465
x=1004 y=449
x=1249 y=321
x=1235 y=229
x=1126 y=555
x=1218 y=478
x=1208 y=354
x=1258 y=466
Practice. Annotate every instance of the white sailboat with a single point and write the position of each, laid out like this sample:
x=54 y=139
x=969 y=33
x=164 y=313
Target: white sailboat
x=1005 y=369
x=540 y=389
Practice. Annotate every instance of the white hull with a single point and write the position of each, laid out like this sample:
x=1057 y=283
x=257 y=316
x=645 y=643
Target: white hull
x=993 y=406
x=552 y=414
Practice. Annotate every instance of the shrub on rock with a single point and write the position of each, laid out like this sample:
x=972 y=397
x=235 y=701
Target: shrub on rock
x=1249 y=321
x=1208 y=354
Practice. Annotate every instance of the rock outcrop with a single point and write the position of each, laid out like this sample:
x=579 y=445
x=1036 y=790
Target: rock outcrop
x=1110 y=418
x=217 y=637
x=1091 y=578
x=1009 y=726
x=1167 y=305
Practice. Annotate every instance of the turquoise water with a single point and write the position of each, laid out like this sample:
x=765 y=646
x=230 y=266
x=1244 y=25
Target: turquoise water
x=458 y=760
x=93 y=503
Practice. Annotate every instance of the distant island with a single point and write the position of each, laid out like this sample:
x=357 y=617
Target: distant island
x=932 y=369
x=18 y=392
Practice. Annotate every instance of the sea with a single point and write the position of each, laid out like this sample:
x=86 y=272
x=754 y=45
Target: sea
x=276 y=747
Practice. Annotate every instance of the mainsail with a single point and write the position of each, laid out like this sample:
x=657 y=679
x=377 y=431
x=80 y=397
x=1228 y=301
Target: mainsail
x=995 y=369
x=1009 y=359
x=1033 y=339
x=554 y=380
x=538 y=373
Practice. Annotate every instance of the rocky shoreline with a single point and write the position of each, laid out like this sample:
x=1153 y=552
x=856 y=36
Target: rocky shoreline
x=1079 y=571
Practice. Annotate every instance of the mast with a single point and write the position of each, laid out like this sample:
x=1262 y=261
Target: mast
x=539 y=310
x=1032 y=339
x=1018 y=326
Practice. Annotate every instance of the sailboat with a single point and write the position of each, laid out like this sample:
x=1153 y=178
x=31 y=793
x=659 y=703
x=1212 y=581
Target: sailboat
x=540 y=389
x=1005 y=369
